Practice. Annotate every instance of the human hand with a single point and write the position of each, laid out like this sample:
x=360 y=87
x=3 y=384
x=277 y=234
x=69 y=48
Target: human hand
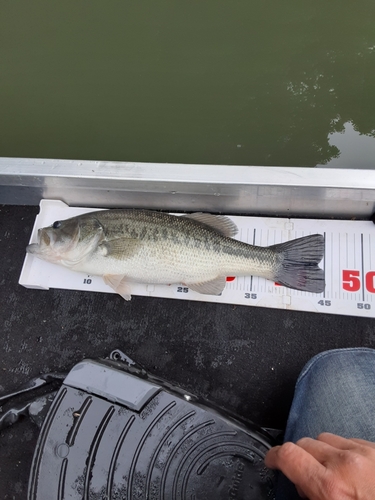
x=327 y=468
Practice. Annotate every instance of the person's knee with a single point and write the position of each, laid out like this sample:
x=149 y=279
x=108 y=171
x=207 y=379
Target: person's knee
x=339 y=368
x=335 y=393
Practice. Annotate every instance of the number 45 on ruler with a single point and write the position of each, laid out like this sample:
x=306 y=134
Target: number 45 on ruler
x=351 y=281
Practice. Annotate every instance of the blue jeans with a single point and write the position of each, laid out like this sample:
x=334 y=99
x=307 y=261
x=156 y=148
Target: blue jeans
x=335 y=392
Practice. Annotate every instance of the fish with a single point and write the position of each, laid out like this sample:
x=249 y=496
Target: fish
x=198 y=250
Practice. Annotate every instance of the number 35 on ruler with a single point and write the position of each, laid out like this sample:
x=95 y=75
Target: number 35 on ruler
x=351 y=281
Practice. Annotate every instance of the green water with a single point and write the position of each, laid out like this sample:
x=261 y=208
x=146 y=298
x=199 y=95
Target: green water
x=223 y=82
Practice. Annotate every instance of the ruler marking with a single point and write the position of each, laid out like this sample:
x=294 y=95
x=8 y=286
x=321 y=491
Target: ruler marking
x=332 y=271
x=367 y=257
x=370 y=261
x=363 y=270
x=340 y=264
x=324 y=265
x=347 y=252
x=369 y=249
x=369 y=253
x=348 y=265
x=251 y=277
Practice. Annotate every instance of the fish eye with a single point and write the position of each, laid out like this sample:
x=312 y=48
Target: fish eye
x=56 y=224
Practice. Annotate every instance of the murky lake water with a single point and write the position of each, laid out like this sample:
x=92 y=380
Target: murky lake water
x=224 y=82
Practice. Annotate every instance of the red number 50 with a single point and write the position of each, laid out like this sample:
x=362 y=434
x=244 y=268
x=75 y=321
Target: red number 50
x=351 y=281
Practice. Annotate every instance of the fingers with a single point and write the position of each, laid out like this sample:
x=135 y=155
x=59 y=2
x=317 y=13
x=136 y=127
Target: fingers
x=336 y=441
x=326 y=467
x=326 y=446
x=363 y=442
x=343 y=443
x=296 y=463
x=320 y=450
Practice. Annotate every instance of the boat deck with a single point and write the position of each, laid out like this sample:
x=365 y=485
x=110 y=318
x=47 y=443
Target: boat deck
x=245 y=359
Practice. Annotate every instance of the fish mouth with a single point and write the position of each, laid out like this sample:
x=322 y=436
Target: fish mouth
x=44 y=243
x=33 y=248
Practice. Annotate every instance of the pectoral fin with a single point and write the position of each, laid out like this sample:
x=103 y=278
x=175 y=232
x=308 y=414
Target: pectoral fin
x=119 y=284
x=214 y=287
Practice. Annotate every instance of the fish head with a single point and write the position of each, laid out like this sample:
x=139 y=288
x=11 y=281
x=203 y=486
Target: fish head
x=69 y=241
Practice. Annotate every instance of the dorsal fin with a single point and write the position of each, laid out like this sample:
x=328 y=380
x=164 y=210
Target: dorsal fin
x=220 y=223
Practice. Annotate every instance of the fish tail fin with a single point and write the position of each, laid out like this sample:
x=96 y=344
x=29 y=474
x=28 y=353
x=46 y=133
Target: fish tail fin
x=298 y=263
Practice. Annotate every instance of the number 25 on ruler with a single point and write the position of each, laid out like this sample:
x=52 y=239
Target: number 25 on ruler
x=351 y=281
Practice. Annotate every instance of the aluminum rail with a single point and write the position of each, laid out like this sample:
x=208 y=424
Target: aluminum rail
x=287 y=191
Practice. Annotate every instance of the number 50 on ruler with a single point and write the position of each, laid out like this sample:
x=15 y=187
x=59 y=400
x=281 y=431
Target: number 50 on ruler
x=352 y=280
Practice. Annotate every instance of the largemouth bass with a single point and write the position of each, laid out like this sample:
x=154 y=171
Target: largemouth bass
x=197 y=250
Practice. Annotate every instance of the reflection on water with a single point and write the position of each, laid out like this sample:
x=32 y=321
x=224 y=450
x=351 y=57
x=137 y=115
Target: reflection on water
x=354 y=150
x=247 y=83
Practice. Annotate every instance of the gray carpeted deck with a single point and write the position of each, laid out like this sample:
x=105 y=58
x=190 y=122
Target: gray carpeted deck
x=242 y=358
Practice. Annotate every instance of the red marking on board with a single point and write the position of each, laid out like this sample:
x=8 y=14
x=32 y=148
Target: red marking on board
x=351 y=280
x=277 y=284
x=231 y=278
x=370 y=281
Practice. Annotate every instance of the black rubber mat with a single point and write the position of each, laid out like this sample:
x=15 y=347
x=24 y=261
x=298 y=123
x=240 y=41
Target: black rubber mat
x=241 y=358
x=112 y=435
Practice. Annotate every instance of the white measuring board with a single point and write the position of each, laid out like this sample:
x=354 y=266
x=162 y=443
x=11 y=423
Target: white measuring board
x=349 y=266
